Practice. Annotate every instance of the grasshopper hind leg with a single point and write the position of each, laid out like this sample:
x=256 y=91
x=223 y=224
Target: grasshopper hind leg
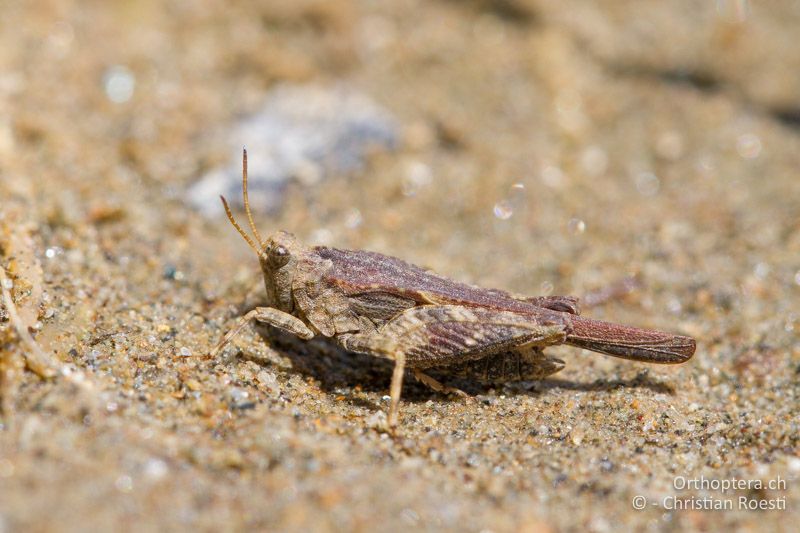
x=431 y=336
x=505 y=367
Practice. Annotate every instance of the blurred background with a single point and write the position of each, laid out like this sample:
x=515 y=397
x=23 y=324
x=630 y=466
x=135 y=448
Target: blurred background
x=642 y=150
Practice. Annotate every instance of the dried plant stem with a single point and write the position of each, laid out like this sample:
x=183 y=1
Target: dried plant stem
x=34 y=356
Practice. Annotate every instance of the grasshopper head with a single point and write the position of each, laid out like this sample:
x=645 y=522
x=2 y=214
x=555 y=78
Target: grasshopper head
x=277 y=255
x=278 y=260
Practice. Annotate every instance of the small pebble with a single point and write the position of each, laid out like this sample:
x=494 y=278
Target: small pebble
x=119 y=83
x=302 y=133
x=124 y=483
x=155 y=469
x=647 y=183
x=503 y=210
x=748 y=146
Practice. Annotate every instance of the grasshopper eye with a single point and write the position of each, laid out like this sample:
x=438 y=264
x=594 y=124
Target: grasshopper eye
x=279 y=255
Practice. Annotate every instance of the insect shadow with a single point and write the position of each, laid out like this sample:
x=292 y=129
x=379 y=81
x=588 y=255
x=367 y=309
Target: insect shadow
x=335 y=368
x=641 y=381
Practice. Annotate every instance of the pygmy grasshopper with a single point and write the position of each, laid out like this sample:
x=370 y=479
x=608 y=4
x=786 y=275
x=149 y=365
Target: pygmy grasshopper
x=382 y=306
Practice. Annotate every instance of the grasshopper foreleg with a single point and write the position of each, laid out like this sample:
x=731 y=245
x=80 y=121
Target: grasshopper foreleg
x=270 y=316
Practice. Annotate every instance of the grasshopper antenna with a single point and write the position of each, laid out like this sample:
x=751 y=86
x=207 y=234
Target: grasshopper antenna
x=245 y=236
x=247 y=200
x=238 y=227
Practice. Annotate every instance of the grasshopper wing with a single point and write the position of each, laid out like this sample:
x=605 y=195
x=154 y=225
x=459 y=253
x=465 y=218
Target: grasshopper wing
x=436 y=335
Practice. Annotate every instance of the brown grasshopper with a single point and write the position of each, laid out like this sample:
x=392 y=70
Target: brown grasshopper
x=382 y=306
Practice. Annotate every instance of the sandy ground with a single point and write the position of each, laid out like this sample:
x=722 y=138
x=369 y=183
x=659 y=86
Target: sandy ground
x=545 y=148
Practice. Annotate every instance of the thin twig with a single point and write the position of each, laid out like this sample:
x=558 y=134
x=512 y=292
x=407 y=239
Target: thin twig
x=35 y=357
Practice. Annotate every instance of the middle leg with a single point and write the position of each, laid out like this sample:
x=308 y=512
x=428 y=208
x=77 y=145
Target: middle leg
x=436 y=385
